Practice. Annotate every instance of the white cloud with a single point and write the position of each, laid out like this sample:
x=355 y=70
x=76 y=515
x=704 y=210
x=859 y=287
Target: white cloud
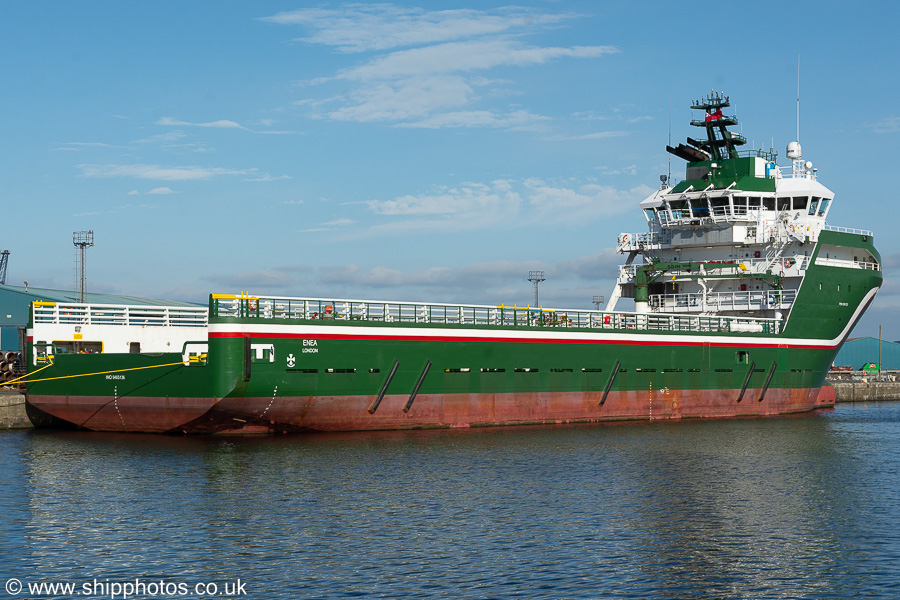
x=519 y=119
x=576 y=205
x=267 y=278
x=361 y=28
x=597 y=135
x=134 y=193
x=268 y=177
x=472 y=200
x=427 y=65
x=886 y=125
x=506 y=204
x=220 y=124
x=162 y=191
x=339 y=222
x=573 y=282
x=401 y=100
x=464 y=56
x=74 y=146
x=156 y=172
x=162 y=138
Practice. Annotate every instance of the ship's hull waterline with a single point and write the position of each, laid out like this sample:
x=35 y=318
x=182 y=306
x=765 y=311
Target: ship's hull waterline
x=431 y=411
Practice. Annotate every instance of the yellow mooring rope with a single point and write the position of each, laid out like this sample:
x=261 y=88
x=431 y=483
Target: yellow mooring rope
x=19 y=380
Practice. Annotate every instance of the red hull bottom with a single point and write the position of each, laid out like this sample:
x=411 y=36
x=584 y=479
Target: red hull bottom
x=352 y=413
x=106 y=413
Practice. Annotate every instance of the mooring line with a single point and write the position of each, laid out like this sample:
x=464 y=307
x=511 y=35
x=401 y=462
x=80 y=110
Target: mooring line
x=87 y=374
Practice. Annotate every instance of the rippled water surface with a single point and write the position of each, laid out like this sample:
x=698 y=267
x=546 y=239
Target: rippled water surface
x=802 y=507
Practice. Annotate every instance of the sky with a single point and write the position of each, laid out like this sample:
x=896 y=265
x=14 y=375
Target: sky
x=422 y=151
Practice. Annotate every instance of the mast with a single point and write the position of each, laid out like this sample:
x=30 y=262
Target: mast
x=720 y=144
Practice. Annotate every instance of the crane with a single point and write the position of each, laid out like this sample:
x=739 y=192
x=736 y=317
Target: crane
x=4 y=259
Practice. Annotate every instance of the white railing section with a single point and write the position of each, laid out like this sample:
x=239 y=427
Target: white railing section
x=787 y=265
x=653 y=240
x=847 y=230
x=313 y=309
x=718 y=214
x=720 y=301
x=118 y=314
x=847 y=264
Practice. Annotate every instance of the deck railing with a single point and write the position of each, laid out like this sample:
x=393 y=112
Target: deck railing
x=847 y=230
x=847 y=264
x=320 y=309
x=746 y=300
x=76 y=313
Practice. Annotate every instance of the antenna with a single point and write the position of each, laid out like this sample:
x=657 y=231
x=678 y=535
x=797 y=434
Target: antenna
x=82 y=240
x=669 y=177
x=798 y=98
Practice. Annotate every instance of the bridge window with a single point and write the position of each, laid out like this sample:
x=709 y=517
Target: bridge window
x=813 y=205
x=784 y=204
x=769 y=203
x=800 y=202
x=823 y=206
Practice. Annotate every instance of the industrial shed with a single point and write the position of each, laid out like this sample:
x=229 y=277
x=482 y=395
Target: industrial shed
x=859 y=351
x=16 y=300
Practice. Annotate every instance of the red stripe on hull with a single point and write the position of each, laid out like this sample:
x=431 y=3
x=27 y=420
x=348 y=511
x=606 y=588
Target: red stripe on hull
x=514 y=340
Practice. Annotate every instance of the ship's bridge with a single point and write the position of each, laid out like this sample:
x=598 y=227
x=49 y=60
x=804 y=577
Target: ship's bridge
x=796 y=210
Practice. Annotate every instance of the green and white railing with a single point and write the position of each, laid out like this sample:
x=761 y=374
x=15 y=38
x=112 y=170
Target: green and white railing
x=335 y=310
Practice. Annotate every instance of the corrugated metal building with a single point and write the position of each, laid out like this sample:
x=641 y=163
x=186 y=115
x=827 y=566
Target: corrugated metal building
x=857 y=352
x=15 y=302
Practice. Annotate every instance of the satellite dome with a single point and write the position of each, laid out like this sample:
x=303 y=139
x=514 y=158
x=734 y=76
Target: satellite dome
x=793 y=150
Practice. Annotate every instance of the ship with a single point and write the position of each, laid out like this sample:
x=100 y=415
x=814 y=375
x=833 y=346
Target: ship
x=743 y=295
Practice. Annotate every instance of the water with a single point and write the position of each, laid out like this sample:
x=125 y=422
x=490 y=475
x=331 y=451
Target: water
x=801 y=507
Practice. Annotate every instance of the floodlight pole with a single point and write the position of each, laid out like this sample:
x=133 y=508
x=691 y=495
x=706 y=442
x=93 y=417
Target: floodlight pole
x=82 y=240
x=536 y=277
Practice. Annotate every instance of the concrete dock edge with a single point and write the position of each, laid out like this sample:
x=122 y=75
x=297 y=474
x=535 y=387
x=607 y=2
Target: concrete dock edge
x=12 y=411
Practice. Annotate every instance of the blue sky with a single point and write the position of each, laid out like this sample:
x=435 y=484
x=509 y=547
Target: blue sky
x=422 y=151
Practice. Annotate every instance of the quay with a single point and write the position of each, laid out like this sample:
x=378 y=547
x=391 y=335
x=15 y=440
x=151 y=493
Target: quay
x=12 y=410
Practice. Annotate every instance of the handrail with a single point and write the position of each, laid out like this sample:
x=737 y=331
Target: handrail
x=847 y=230
x=746 y=300
x=328 y=310
x=847 y=264
x=77 y=313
